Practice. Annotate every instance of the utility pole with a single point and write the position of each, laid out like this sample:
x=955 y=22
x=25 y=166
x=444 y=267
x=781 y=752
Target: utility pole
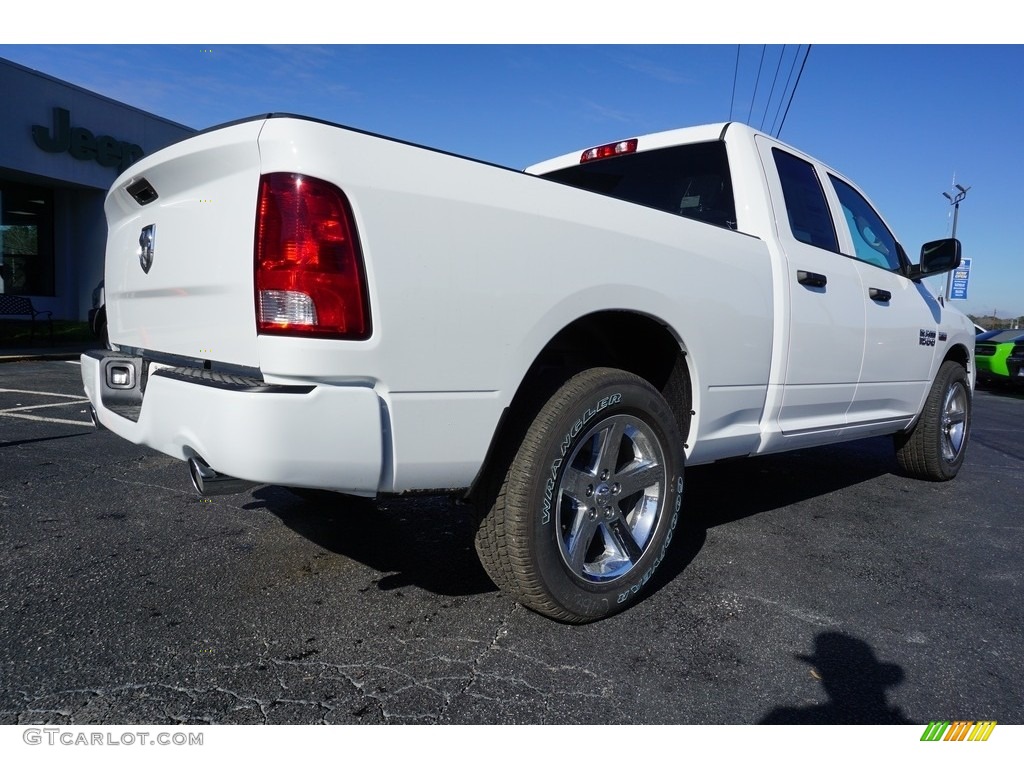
x=954 y=200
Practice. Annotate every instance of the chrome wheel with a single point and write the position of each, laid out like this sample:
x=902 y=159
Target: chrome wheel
x=954 y=421
x=610 y=498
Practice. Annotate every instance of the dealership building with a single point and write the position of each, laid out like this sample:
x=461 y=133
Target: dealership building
x=61 y=147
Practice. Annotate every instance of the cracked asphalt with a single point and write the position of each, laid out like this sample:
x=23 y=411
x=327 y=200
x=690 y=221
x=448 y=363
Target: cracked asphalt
x=819 y=586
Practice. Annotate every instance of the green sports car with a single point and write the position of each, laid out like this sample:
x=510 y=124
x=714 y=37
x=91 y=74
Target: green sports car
x=992 y=349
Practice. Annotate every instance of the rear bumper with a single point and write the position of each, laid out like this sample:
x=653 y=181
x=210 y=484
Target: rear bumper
x=991 y=367
x=1015 y=366
x=312 y=436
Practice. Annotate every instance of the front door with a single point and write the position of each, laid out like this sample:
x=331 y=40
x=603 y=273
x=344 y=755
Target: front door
x=902 y=318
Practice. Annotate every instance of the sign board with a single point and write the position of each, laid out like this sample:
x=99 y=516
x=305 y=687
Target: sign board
x=961 y=276
x=81 y=144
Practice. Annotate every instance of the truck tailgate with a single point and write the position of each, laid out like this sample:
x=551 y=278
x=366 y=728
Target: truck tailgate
x=179 y=260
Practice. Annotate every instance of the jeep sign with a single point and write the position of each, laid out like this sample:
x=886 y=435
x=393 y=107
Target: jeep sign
x=81 y=144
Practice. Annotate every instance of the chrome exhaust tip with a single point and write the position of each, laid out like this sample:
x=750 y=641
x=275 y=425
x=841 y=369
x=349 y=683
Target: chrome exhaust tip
x=94 y=417
x=208 y=482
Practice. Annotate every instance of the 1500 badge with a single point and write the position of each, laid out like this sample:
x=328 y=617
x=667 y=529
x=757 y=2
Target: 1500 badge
x=926 y=338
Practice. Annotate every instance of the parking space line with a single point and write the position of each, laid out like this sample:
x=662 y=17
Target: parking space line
x=69 y=399
x=33 y=392
x=30 y=417
x=77 y=401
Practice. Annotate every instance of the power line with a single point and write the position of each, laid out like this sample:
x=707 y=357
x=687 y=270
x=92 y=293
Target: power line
x=793 y=92
x=756 y=82
x=771 y=92
x=735 y=74
x=782 y=99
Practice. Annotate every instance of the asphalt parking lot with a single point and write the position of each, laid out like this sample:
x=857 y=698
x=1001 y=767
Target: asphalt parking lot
x=815 y=587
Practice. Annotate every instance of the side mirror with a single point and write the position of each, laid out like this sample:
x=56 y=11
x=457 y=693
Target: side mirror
x=937 y=257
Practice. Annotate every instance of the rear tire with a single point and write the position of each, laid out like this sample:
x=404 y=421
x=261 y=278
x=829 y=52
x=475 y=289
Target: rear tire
x=935 y=446
x=583 y=513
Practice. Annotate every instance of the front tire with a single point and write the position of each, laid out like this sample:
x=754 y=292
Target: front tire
x=583 y=513
x=934 y=448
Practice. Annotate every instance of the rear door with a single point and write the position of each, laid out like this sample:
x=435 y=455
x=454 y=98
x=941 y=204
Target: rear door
x=825 y=304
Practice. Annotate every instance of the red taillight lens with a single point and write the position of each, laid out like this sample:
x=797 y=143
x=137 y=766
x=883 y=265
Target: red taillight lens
x=609 y=150
x=309 y=268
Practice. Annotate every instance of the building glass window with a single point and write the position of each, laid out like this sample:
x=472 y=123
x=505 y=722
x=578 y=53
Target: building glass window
x=26 y=240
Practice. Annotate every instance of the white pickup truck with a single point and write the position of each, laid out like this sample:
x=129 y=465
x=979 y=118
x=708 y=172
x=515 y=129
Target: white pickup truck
x=292 y=302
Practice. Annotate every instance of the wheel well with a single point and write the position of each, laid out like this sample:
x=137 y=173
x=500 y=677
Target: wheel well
x=626 y=340
x=960 y=355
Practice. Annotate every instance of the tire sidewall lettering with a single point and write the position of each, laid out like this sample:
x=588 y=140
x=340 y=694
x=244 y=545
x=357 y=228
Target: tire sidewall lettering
x=551 y=481
x=635 y=588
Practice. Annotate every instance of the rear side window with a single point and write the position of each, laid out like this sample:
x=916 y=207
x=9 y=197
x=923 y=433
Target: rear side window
x=691 y=181
x=809 y=217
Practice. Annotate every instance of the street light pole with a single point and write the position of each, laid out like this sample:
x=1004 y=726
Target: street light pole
x=954 y=200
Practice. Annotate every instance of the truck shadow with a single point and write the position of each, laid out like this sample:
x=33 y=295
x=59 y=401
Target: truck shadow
x=731 y=490
x=722 y=493
x=427 y=541
x=422 y=541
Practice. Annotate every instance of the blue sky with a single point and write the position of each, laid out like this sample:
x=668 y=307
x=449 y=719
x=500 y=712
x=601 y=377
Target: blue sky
x=899 y=119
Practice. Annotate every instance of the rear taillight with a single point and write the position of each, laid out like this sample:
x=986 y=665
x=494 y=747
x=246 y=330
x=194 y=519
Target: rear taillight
x=309 y=269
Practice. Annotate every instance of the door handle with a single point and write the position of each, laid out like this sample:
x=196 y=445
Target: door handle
x=878 y=294
x=812 y=279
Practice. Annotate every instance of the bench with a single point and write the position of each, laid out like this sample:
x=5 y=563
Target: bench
x=22 y=306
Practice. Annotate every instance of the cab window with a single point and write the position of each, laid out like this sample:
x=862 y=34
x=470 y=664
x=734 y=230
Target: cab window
x=690 y=180
x=872 y=241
